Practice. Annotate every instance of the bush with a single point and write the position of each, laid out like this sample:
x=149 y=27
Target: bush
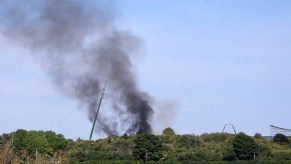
x=43 y=142
x=265 y=152
x=187 y=141
x=229 y=155
x=147 y=147
x=244 y=147
x=280 y=138
x=282 y=155
x=258 y=136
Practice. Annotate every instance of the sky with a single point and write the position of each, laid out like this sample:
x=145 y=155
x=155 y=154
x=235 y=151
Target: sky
x=207 y=63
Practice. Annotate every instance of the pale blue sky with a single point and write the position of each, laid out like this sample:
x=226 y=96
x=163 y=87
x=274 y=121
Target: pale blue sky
x=217 y=62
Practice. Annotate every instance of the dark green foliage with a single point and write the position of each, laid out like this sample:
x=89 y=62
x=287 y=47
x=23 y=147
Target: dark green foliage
x=229 y=156
x=102 y=150
x=244 y=147
x=125 y=136
x=280 y=138
x=147 y=147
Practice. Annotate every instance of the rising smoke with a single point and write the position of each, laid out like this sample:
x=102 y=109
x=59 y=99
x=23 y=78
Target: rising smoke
x=79 y=47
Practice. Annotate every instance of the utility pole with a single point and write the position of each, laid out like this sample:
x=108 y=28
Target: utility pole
x=100 y=100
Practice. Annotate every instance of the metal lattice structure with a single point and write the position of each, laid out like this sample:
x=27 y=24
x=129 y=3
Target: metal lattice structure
x=275 y=129
x=229 y=125
x=98 y=107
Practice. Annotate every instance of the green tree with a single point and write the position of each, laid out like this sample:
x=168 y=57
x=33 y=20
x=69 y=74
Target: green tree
x=169 y=131
x=56 y=141
x=38 y=141
x=125 y=136
x=258 y=136
x=244 y=147
x=187 y=141
x=19 y=140
x=280 y=138
x=169 y=136
x=147 y=147
x=229 y=155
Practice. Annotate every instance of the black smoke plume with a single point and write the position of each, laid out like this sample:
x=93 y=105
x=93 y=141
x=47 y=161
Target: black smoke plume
x=79 y=47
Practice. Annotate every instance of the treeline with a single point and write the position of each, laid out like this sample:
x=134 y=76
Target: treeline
x=24 y=146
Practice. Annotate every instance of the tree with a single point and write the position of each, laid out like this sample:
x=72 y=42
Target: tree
x=280 y=138
x=168 y=131
x=147 y=147
x=258 y=136
x=124 y=136
x=228 y=155
x=19 y=140
x=244 y=147
x=56 y=141
x=169 y=136
x=187 y=141
x=36 y=142
x=43 y=142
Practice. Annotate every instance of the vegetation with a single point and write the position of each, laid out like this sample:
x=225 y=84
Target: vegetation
x=147 y=147
x=280 y=138
x=24 y=146
x=33 y=142
x=169 y=131
x=244 y=147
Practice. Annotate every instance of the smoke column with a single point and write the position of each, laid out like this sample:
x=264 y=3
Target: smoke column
x=79 y=47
